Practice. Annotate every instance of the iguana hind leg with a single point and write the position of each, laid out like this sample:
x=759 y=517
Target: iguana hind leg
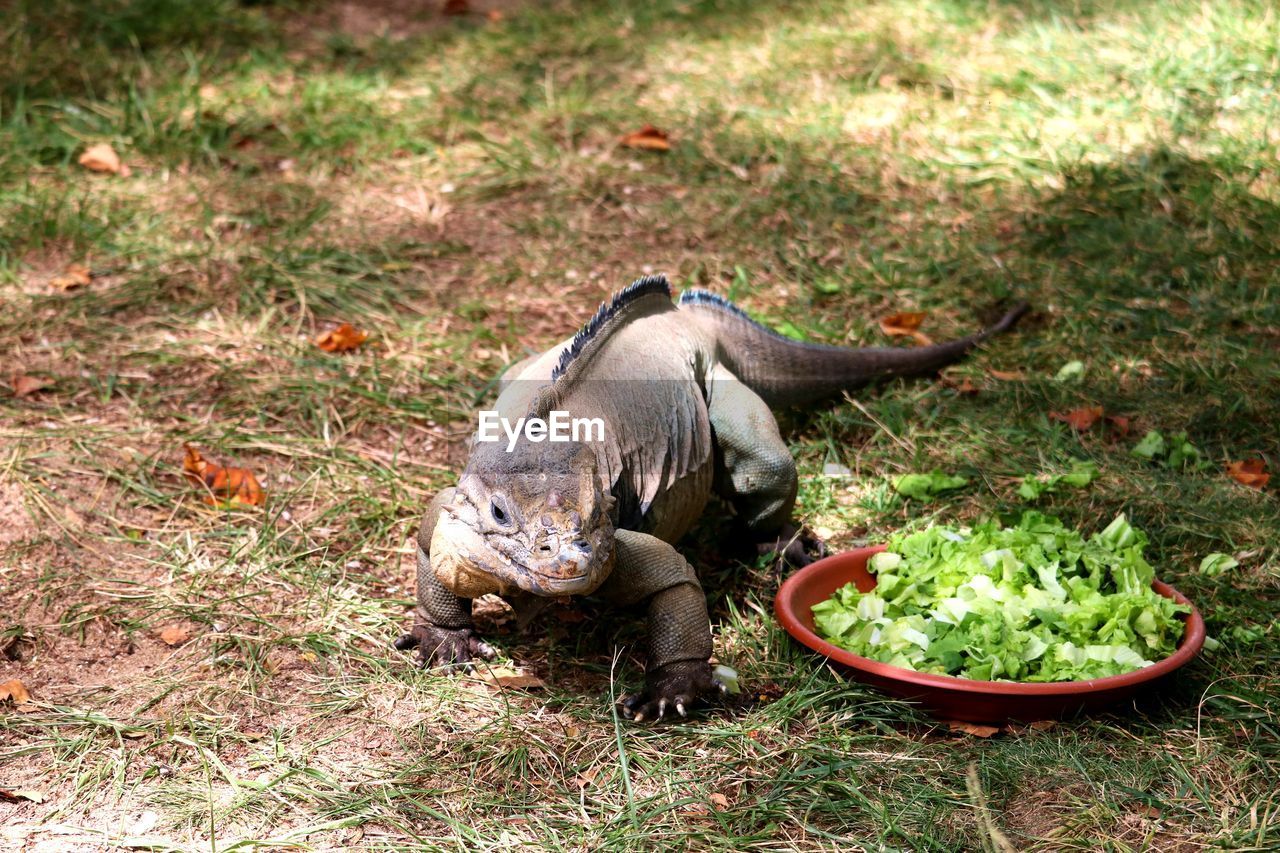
x=442 y=631
x=758 y=475
x=678 y=673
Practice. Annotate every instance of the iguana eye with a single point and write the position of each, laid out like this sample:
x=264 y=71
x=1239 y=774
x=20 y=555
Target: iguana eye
x=499 y=514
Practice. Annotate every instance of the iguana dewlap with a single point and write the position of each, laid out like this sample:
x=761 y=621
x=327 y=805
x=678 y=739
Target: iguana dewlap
x=685 y=392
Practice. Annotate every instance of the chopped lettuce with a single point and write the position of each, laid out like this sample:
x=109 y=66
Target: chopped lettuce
x=923 y=487
x=1032 y=602
x=1082 y=473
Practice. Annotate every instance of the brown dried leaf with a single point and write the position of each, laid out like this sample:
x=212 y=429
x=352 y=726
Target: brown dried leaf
x=505 y=678
x=24 y=385
x=905 y=324
x=1043 y=725
x=342 y=339
x=719 y=800
x=15 y=690
x=648 y=138
x=1120 y=424
x=175 y=635
x=975 y=729
x=221 y=485
x=456 y=7
x=1006 y=375
x=74 y=276
x=1079 y=419
x=494 y=15
x=101 y=158
x=1250 y=472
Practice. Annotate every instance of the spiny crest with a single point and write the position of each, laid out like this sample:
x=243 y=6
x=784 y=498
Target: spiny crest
x=649 y=285
x=706 y=297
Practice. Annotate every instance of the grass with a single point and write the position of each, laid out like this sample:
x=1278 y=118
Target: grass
x=452 y=185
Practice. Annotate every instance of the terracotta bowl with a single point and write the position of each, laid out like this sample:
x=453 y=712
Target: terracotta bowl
x=958 y=698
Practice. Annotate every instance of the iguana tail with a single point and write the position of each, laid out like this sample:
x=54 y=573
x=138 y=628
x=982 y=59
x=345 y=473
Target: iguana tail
x=786 y=372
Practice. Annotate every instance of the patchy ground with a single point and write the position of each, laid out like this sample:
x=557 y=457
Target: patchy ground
x=204 y=678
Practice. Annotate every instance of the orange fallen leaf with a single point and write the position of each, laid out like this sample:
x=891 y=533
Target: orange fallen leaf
x=964 y=387
x=342 y=339
x=175 y=635
x=720 y=801
x=975 y=729
x=905 y=324
x=15 y=690
x=1119 y=423
x=75 y=275
x=1079 y=419
x=102 y=158
x=493 y=15
x=1250 y=472
x=456 y=7
x=24 y=385
x=648 y=138
x=221 y=485
x=1006 y=375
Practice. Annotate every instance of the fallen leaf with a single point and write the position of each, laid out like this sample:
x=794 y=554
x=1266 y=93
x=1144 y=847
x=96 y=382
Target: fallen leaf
x=1006 y=375
x=342 y=339
x=1119 y=423
x=101 y=158
x=175 y=635
x=905 y=324
x=966 y=388
x=221 y=485
x=24 y=385
x=505 y=678
x=975 y=729
x=1250 y=472
x=74 y=276
x=16 y=796
x=1149 y=811
x=15 y=690
x=720 y=801
x=1079 y=419
x=648 y=138
x=1043 y=725
x=456 y=7
x=494 y=15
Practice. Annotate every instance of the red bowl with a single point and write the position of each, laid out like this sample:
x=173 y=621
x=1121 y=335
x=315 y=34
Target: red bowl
x=959 y=698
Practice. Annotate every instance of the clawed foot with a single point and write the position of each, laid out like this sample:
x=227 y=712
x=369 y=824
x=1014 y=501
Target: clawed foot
x=672 y=689
x=445 y=647
x=794 y=545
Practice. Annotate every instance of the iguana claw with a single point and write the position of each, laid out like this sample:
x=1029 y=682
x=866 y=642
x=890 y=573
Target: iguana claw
x=445 y=647
x=677 y=685
x=793 y=545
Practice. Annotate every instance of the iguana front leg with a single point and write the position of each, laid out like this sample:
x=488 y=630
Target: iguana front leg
x=677 y=673
x=442 y=629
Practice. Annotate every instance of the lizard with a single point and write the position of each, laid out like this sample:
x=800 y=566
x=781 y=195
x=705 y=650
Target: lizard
x=685 y=391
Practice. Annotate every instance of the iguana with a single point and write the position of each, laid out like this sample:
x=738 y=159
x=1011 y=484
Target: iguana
x=685 y=392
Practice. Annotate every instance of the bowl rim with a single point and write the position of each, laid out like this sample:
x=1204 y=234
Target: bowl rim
x=1192 y=640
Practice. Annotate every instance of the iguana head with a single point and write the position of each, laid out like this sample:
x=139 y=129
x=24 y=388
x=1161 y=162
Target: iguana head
x=534 y=518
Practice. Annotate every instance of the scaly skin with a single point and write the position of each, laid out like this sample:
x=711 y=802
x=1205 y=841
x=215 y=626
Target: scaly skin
x=685 y=394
